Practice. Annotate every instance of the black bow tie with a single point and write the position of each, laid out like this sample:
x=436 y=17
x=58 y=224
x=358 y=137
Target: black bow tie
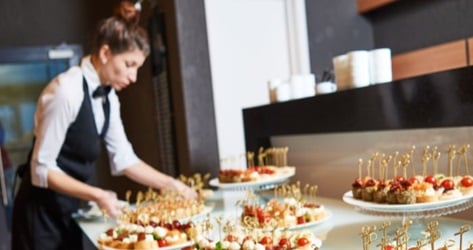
x=101 y=91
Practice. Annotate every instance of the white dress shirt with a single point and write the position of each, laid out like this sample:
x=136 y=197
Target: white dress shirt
x=58 y=107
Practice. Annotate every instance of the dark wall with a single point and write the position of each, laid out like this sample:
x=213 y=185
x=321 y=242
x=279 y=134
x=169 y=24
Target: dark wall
x=335 y=27
x=414 y=24
x=49 y=22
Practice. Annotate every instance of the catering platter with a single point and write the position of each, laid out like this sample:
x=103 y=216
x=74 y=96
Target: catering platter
x=328 y=215
x=443 y=207
x=311 y=224
x=266 y=182
x=204 y=210
x=173 y=247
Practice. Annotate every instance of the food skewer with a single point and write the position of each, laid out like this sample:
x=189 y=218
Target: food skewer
x=451 y=157
x=360 y=163
x=411 y=156
x=368 y=236
x=463 y=229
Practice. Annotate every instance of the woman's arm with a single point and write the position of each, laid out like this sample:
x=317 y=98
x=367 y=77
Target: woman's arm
x=147 y=175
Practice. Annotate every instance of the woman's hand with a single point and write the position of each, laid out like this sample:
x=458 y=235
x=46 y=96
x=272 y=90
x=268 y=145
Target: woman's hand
x=109 y=204
x=184 y=190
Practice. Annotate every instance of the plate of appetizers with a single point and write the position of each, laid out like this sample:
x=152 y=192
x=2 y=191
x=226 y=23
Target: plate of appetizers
x=161 y=235
x=310 y=224
x=172 y=247
x=254 y=177
x=414 y=207
x=286 y=214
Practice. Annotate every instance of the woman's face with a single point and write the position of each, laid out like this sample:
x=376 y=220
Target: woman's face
x=120 y=70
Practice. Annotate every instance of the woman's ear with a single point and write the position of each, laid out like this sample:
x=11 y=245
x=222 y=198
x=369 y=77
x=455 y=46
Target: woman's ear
x=104 y=53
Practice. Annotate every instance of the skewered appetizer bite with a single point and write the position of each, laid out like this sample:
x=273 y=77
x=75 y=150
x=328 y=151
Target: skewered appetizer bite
x=402 y=189
x=156 y=220
x=291 y=207
x=153 y=236
x=233 y=237
x=272 y=163
x=401 y=240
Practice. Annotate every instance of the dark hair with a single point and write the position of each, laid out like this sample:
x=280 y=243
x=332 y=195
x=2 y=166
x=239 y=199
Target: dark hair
x=121 y=32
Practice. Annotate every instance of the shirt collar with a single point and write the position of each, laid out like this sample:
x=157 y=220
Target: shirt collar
x=90 y=74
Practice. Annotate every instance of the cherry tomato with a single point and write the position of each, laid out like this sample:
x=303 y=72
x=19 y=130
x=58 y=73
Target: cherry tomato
x=413 y=180
x=264 y=218
x=300 y=219
x=109 y=232
x=284 y=243
x=467 y=181
x=400 y=178
x=231 y=238
x=302 y=241
x=176 y=224
x=357 y=183
x=266 y=241
x=448 y=184
x=370 y=183
x=141 y=236
x=388 y=247
x=162 y=243
x=430 y=179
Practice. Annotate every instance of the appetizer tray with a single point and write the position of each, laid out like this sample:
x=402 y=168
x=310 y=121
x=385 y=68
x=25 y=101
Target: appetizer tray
x=265 y=183
x=313 y=223
x=428 y=209
x=173 y=247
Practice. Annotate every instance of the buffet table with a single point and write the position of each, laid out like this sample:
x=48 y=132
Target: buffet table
x=340 y=231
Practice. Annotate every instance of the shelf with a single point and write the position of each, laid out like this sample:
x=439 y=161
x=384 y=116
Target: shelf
x=429 y=101
x=365 y=6
x=430 y=60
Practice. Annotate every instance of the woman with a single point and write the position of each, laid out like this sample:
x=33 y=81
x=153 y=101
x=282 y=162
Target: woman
x=71 y=120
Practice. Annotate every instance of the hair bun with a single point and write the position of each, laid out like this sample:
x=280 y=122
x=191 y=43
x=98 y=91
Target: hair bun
x=127 y=11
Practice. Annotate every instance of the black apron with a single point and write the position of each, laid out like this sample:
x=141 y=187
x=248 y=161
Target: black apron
x=42 y=217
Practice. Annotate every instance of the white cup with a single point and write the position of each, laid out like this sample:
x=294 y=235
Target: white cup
x=283 y=92
x=326 y=87
x=302 y=85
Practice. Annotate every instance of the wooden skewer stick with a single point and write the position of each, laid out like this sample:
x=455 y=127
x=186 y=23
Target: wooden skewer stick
x=396 y=166
x=250 y=159
x=384 y=239
x=463 y=229
x=368 y=168
x=373 y=163
x=360 y=163
x=411 y=156
x=380 y=166
x=436 y=162
x=368 y=236
x=128 y=196
x=451 y=156
x=386 y=168
x=467 y=147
